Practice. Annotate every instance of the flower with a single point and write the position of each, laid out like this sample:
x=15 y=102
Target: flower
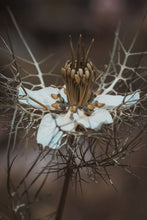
x=75 y=103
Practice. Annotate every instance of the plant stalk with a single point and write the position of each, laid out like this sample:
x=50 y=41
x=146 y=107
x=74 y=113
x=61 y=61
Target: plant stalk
x=64 y=194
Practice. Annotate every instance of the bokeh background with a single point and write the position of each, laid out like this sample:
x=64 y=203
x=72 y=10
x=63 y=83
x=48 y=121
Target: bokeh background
x=46 y=25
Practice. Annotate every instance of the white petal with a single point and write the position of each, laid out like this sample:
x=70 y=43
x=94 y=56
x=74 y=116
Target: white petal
x=65 y=122
x=132 y=99
x=48 y=133
x=112 y=101
x=42 y=95
x=95 y=120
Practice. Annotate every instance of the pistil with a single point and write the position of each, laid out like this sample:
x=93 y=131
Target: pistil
x=78 y=76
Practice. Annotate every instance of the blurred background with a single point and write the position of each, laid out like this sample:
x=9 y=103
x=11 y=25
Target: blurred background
x=46 y=25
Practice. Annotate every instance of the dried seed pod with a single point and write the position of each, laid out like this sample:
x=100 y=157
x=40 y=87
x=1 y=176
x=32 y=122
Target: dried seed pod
x=80 y=72
x=55 y=96
x=90 y=106
x=73 y=73
x=77 y=79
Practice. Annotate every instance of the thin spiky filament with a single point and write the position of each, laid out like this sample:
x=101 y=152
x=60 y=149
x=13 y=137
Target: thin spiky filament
x=78 y=76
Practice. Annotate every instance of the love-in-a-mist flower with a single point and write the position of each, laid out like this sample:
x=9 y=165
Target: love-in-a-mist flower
x=75 y=103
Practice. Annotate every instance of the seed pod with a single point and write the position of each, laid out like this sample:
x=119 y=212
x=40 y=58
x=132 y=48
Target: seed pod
x=77 y=79
x=55 y=96
x=73 y=73
x=80 y=72
x=90 y=106
x=56 y=105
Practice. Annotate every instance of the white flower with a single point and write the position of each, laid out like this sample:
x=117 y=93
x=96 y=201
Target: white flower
x=75 y=103
x=53 y=125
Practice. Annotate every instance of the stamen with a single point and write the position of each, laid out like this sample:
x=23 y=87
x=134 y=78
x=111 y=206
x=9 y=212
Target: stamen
x=80 y=72
x=99 y=105
x=68 y=71
x=84 y=79
x=56 y=105
x=90 y=106
x=89 y=66
x=63 y=71
x=87 y=74
x=67 y=64
x=73 y=71
x=77 y=79
x=55 y=96
x=88 y=52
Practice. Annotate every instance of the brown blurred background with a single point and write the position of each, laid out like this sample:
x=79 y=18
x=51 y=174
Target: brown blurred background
x=46 y=25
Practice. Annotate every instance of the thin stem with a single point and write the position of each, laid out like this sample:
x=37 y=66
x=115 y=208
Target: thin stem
x=27 y=47
x=79 y=52
x=72 y=51
x=64 y=194
x=88 y=52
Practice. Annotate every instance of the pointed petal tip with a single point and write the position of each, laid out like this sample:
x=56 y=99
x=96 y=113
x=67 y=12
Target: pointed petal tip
x=133 y=98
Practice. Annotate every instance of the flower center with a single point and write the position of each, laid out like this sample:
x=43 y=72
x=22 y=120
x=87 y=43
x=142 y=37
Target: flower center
x=79 y=76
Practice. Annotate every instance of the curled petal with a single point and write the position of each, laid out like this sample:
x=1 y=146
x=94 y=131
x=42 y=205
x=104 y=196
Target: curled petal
x=42 y=96
x=112 y=101
x=95 y=120
x=48 y=133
